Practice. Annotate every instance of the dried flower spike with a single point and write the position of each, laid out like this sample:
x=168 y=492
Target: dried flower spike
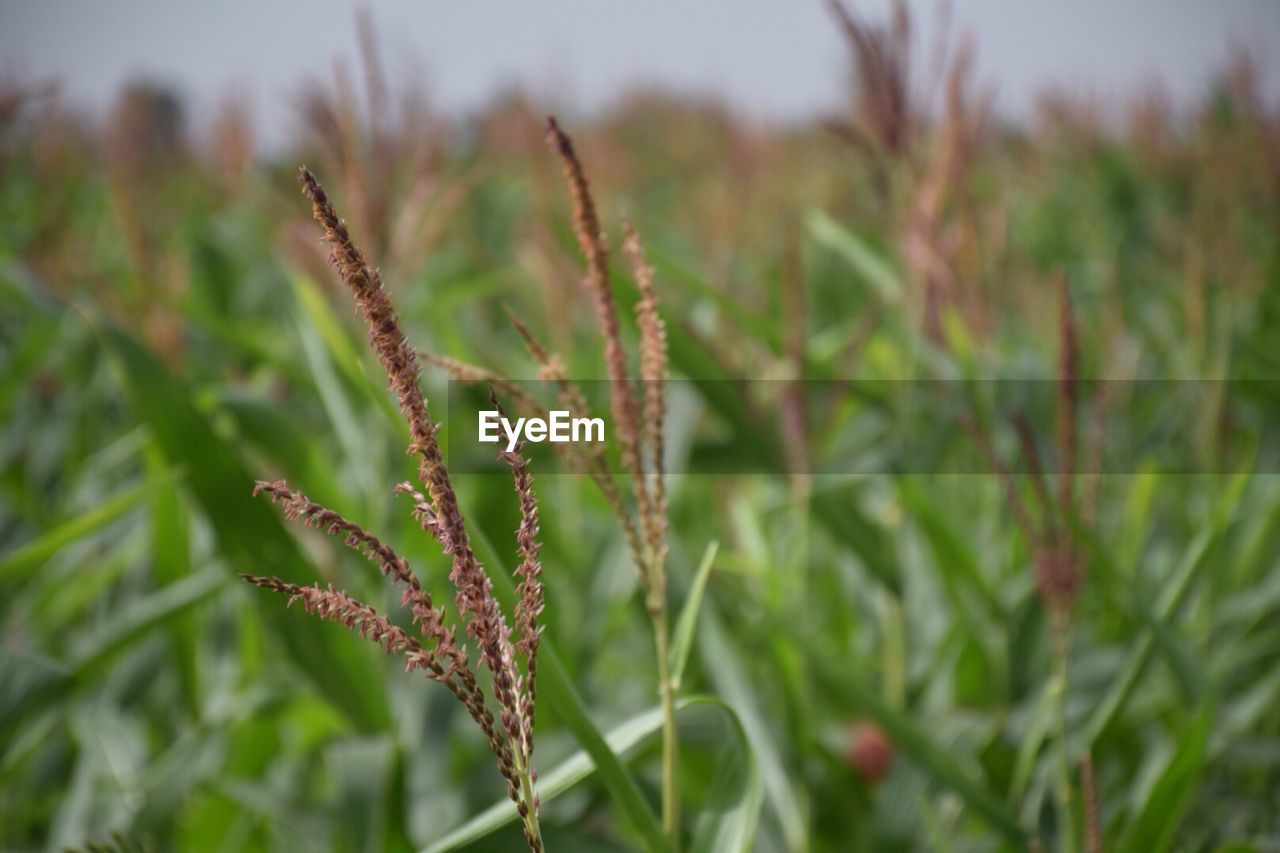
x=474 y=595
x=529 y=594
x=653 y=371
x=586 y=226
x=630 y=424
x=1068 y=394
x=426 y=615
x=443 y=659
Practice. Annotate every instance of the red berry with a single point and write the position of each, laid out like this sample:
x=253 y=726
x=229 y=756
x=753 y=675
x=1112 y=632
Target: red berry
x=870 y=752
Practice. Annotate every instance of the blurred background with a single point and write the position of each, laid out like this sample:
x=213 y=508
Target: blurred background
x=843 y=195
x=769 y=59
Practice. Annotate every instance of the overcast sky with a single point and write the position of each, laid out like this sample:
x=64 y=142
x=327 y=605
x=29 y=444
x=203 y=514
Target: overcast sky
x=772 y=58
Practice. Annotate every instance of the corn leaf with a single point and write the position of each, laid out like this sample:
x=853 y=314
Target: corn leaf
x=19 y=565
x=687 y=621
x=248 y=531
x=556 y=688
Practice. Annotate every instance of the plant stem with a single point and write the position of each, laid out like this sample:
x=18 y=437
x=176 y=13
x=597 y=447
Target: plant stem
x=1066 y=817
x=522 y=757
x=532 y=830
x=670 y=746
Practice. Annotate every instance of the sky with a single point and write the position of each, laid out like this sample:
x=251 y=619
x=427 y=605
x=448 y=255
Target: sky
x=772 y=59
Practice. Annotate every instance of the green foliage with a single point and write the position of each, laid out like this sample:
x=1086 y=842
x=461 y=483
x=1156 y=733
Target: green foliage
x=163 y=350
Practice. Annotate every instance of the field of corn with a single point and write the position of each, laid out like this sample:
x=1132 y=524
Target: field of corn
x=756 y=625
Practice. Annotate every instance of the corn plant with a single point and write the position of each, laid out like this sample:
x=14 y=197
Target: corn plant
x=438 y=655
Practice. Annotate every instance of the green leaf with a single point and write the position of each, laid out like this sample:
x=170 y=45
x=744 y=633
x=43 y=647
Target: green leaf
x=687 y=621
x=286 y=443
x=556 y=688
x=1123 y=596
x=26 y=355
x=956 y=562
x=1037 y=729
x=934 y=761
x=620 y=740
x=67 y=595
x=20 y=564
x=838 y=513
x=249 y=533
x=170 y=562
x=760 y=327
x=317 y=317
x=141 y=615
x=28 y=683
x=727 y=820
x=365 y=770
x=728 y=817
x=1156 y=825
x=328 y=350
x=32 y=683
x=725 y=668
x=1170 y=601
x=1134 y=527
x=864 y=260
x=1179 y=586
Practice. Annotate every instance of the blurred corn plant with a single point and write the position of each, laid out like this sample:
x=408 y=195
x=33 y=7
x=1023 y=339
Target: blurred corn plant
x=386 y=149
